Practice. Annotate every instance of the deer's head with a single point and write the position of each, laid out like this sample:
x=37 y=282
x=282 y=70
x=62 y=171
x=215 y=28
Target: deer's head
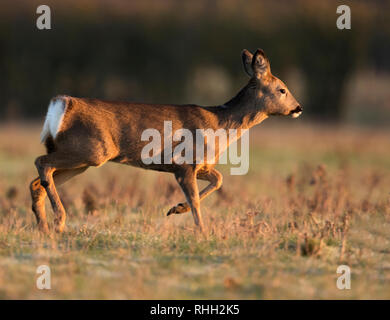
x=269 y=94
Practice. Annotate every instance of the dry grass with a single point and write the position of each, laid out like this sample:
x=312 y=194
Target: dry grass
x=314 y=198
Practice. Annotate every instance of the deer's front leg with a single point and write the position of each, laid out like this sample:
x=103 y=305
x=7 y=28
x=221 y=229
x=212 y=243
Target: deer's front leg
x=180 y=208
x=187 y=181
x=215 y=178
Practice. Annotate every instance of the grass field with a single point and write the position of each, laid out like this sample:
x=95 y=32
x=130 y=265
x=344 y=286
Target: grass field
x=315 y=198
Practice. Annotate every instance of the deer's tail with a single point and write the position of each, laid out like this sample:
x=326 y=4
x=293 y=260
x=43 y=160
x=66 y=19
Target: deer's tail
x=53 y=121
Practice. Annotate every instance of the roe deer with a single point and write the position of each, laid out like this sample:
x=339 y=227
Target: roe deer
x=80 y=132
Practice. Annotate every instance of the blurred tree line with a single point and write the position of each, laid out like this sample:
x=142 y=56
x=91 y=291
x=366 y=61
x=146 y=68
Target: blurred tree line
x=150 y=51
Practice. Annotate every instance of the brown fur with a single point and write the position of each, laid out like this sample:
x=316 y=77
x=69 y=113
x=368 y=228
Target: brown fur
x=96 y=131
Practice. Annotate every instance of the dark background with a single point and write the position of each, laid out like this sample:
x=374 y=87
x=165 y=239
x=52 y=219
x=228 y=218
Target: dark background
x=189 y=52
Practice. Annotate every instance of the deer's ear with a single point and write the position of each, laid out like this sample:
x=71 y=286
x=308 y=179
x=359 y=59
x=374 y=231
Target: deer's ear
x=247 y=61
x=260 y=63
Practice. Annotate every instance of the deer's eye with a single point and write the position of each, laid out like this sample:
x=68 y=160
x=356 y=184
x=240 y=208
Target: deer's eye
x=282 y=91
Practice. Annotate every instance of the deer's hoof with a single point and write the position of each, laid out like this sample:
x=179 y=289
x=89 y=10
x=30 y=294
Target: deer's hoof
x=59 y=228
x=180 y=208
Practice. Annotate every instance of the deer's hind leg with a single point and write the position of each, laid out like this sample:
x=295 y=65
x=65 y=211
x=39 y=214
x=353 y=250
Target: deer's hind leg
x=38 y=194
x=215 y=179
x=53 y=169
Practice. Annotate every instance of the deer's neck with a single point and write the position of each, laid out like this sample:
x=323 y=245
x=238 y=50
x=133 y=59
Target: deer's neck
x=240 y=111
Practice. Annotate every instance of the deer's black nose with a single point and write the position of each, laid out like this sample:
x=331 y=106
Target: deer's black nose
x=296 y=110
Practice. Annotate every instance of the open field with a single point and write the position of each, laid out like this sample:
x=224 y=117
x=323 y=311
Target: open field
x=314 y=198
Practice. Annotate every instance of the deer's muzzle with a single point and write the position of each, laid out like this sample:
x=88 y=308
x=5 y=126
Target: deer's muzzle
x=296 y=112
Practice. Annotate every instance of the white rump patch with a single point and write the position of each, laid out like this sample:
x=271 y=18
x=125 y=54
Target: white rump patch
x=54 y=117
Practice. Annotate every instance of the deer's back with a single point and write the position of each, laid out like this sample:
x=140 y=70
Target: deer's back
x=115 y=128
